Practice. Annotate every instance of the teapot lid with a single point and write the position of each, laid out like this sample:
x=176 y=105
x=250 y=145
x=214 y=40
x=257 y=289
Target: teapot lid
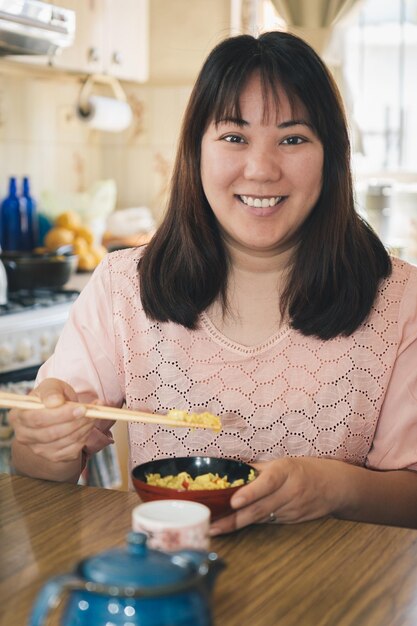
x=136 y=566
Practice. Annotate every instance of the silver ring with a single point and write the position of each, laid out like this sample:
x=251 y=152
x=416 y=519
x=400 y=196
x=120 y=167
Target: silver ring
x=272 y=518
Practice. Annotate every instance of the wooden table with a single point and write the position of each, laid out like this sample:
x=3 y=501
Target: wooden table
x=322 y=573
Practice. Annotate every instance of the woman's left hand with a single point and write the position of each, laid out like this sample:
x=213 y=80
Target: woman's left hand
x=292 y=489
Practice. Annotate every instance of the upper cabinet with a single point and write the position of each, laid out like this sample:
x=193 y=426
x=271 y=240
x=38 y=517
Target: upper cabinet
x=112 y=37
x=127 y=42
x=156 y=41
x=181 y=34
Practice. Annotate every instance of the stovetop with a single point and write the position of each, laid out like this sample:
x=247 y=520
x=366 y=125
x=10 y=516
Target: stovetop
x=25 y=300
x=30 y=325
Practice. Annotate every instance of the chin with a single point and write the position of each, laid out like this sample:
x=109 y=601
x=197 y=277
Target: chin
x=259 y=243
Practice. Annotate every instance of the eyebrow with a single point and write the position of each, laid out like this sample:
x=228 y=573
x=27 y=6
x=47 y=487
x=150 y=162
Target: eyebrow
x=290 y=123
x=241 y=122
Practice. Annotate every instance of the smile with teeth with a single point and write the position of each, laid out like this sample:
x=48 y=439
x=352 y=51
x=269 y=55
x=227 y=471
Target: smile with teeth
x=261 y=202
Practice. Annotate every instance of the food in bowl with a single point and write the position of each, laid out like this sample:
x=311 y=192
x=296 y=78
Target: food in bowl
x=183 y=481
x=218 y=500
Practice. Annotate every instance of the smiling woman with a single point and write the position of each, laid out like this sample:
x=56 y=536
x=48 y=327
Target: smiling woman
x=262 y=298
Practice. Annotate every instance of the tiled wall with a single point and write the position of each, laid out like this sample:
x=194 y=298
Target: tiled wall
x=141 y=158
x=41 y=136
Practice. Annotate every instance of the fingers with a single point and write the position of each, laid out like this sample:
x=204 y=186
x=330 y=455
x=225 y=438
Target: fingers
x=254 y=513
x=42 y=420
x=57 y=432
x=54 y=392
x=48 y=426
x=65 y=448
x=272 y=476
x=290 y=489
x=52 y=434
x=256 y=501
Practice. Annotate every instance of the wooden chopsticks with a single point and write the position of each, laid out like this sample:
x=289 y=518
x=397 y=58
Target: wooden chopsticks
x=95 y=411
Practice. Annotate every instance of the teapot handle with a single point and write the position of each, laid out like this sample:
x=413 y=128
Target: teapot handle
x=50 y=596
x=208 y=564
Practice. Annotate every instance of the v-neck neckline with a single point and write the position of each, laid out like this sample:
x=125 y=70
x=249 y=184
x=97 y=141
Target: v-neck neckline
x=230 y=344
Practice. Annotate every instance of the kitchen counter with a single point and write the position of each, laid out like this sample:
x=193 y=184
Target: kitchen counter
x=78 y=281
x=322 y=573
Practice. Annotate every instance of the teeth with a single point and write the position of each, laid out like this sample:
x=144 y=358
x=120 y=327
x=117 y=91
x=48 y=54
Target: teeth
x=260 y=202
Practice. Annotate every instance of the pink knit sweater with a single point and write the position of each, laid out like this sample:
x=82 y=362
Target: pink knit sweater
x=352 y=398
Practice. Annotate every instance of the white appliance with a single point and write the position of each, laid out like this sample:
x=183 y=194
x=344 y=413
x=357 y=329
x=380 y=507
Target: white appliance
x=30 y=324
x=34 y=27
x=3 y=284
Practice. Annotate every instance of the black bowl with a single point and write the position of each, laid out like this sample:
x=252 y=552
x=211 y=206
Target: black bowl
x=218 y=500
x=29 y=270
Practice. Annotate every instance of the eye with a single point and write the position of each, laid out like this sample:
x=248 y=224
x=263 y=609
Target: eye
x=295 y=140
x=232 y=138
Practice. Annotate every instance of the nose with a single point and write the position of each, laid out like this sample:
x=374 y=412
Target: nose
x=263 y=165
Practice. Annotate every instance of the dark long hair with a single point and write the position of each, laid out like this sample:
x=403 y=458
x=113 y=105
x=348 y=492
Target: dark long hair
x=338 y=262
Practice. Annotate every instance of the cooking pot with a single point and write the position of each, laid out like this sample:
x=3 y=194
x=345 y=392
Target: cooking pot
x=135 y=585
x=29 y=270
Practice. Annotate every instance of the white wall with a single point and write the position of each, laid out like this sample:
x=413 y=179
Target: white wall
x=41 y=136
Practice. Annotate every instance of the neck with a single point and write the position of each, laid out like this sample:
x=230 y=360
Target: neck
x=269 y=263
x=254 y=285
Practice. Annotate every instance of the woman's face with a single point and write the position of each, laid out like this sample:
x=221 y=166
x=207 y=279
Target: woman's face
x=261 y=177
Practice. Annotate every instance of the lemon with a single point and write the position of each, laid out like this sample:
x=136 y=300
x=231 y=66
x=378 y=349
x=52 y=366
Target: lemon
x=58 y=236
x=85 y=233
x=69 y=219
x=87 y=262
x=80 y=246
x=98 y=252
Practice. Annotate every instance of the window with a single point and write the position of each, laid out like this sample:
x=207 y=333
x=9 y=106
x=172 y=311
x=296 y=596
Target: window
x=379 y=59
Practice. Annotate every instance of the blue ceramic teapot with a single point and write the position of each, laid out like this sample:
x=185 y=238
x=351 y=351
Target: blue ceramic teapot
x=134 y=586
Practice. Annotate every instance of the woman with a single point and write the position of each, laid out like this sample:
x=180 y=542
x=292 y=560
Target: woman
x=264 y=298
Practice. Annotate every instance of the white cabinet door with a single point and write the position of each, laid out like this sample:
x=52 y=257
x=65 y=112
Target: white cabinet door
x=112 y=37
x=126 y=39
x=87 y=52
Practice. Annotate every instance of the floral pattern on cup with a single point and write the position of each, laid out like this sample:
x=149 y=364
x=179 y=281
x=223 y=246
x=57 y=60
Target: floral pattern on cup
x=173 y=524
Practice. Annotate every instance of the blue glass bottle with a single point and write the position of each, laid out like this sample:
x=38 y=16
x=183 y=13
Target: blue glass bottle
x=10 y=219
x=28 y=218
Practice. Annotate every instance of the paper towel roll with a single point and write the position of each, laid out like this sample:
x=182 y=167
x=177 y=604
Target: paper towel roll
x=107 y=114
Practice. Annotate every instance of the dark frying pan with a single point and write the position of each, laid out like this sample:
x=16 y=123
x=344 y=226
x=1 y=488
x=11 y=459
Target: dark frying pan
x=28 y=270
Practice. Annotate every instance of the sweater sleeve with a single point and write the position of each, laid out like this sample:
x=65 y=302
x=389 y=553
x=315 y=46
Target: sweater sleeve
x=395 y=441
x=84 y=356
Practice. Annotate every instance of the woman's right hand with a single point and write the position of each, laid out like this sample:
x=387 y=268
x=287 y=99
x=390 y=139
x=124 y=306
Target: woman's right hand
x=58 y=433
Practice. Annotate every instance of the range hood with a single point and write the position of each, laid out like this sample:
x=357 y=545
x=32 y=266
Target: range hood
x=34 y=27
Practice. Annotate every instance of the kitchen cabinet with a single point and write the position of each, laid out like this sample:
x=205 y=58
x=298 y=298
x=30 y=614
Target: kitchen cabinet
x=112 y=37
x=181 y=34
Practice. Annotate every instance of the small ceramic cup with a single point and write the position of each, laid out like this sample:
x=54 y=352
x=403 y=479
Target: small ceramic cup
x=173 y=524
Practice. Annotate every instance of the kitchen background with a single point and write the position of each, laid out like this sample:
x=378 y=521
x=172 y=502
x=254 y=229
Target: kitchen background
x=149 y=51
x=371 y=46
x=161 y=44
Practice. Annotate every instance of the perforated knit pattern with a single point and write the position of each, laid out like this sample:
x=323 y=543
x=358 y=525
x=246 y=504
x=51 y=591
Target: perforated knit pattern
x=292 y=395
